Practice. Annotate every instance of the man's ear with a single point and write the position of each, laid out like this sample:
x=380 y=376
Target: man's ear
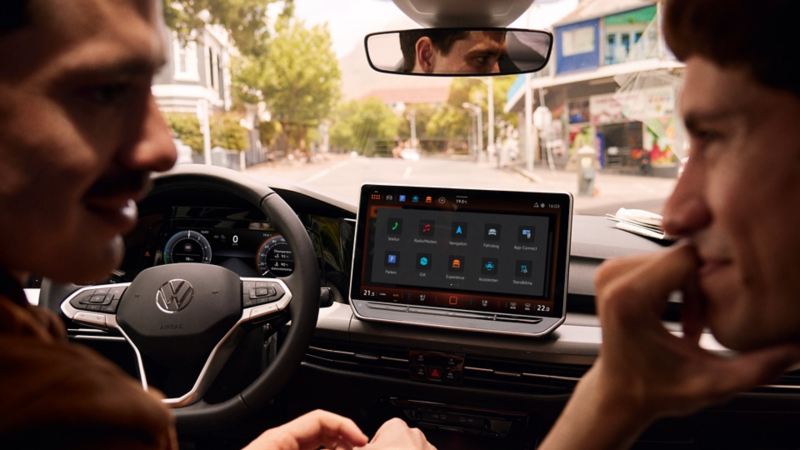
x=426 y=57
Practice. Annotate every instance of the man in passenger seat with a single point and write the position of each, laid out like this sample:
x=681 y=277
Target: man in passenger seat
x=736 y=208
x=80 y=134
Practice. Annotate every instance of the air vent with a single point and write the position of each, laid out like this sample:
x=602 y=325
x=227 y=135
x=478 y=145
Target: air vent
x=478 y=371
x=790 y=381
x=585 y=304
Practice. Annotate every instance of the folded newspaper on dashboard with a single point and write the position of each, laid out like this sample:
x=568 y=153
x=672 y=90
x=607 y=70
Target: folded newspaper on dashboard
x=641 y=222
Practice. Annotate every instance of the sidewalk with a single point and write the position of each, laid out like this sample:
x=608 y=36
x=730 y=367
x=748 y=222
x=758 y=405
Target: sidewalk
x=612 y=191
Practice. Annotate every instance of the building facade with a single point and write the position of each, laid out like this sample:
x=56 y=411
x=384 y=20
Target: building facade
x=611 y=85
x=197 y=73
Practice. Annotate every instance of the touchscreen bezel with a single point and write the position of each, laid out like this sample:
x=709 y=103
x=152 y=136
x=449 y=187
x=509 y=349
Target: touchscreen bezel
x=560 y=267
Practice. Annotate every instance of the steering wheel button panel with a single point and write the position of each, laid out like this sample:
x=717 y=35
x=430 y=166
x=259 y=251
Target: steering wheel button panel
x=256 y=293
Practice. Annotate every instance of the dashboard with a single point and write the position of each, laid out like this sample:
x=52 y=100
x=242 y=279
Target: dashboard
x=499 y=389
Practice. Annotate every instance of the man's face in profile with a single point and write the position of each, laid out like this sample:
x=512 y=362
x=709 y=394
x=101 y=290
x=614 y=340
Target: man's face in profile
x=477 y=52
x=738 y=201
x=79 y=133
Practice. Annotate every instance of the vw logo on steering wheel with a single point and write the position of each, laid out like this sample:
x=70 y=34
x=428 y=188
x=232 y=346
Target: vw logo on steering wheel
x=174 y=295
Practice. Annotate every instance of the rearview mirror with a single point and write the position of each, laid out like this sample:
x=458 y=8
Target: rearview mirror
x=459 y=51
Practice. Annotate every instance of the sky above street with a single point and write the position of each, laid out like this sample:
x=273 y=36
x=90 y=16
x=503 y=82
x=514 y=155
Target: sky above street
x=350 y=20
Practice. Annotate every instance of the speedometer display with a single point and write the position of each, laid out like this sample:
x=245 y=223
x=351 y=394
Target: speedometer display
x=275 y=258
x=187 y=247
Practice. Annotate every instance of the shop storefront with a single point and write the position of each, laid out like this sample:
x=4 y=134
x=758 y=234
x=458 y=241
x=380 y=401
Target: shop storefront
x=636 y=131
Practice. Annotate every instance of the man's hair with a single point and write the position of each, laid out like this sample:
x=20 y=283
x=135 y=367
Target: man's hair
x=760 y=37
x=13 y=15
x=442 y=39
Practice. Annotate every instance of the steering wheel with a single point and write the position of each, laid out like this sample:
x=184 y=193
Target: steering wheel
x=186 y=319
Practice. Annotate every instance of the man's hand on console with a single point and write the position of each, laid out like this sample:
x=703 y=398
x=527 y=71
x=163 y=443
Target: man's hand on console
x=310 y=432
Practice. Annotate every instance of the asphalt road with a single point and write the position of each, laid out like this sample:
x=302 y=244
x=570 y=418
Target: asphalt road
x=341 y=177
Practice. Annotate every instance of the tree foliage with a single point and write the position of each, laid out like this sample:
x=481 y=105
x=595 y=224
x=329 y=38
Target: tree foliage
x=186 y=127
x=359 y=124
x=452 y=121
x=226 y=132
x=299 y=81
x=245 y=20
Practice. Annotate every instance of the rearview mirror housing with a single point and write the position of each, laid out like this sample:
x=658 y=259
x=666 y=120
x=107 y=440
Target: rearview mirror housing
x=459 y=51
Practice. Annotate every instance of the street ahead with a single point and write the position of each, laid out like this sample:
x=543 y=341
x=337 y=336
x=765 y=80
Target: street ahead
x=341 y=177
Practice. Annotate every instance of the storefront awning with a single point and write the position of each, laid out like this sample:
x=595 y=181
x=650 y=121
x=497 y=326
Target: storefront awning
x=595 y=74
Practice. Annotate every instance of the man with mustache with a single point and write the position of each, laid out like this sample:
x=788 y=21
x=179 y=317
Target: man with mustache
x=735 y=206
x=80 y=133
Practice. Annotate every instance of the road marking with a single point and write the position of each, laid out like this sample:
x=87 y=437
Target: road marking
x=325 y=172
x=407 y=173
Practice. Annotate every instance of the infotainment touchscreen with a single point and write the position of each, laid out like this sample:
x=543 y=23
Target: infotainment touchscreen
x=462 y=258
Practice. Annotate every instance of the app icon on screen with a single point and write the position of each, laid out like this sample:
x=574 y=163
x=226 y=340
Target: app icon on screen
x=489 y=266
x=492 y=232
x=424 y=261
x=401 y=198
x=426 y=227
x=526 y=234
x=458 y=231
x=392 y=259
x=456 y=264
x=415 y=199
x=523 y=269
x=394 y=226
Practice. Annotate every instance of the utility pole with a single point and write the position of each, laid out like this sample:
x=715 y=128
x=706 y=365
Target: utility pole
x=478 y=112
x=205 y=129
x=412 y=119
x=528 y=123
x=491 y=147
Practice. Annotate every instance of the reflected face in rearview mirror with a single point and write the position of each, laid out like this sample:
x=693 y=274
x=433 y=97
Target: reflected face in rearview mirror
x=459 y=52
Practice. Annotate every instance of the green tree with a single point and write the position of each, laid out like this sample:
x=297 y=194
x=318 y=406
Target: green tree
x=186 y=127
x=452 y=121
x=245 y=20
x=422 y=113
x=226 y=132
x=360 y=124
x=298 y=81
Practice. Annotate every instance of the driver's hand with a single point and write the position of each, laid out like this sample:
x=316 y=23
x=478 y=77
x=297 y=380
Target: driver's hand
x=396 y=434
x=310 y=432
x=644 y=372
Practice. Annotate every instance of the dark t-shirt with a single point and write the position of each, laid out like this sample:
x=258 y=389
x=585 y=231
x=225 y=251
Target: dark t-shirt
x=58 y=395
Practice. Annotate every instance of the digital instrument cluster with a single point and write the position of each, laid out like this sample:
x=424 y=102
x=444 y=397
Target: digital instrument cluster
x=269 y=251
x=230 y=237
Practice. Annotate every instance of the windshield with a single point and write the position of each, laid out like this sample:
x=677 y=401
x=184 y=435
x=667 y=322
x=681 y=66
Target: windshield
x=283 y=90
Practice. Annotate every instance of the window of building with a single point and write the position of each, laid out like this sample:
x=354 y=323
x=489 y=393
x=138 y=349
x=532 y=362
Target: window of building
x=212 y=76
x=577 y=41
x=185 y=60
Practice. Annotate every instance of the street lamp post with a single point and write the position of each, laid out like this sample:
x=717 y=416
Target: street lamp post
x=412 y=119
x=475 y=109
x=202 y=115
x=528 y=127
x=490 y=145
